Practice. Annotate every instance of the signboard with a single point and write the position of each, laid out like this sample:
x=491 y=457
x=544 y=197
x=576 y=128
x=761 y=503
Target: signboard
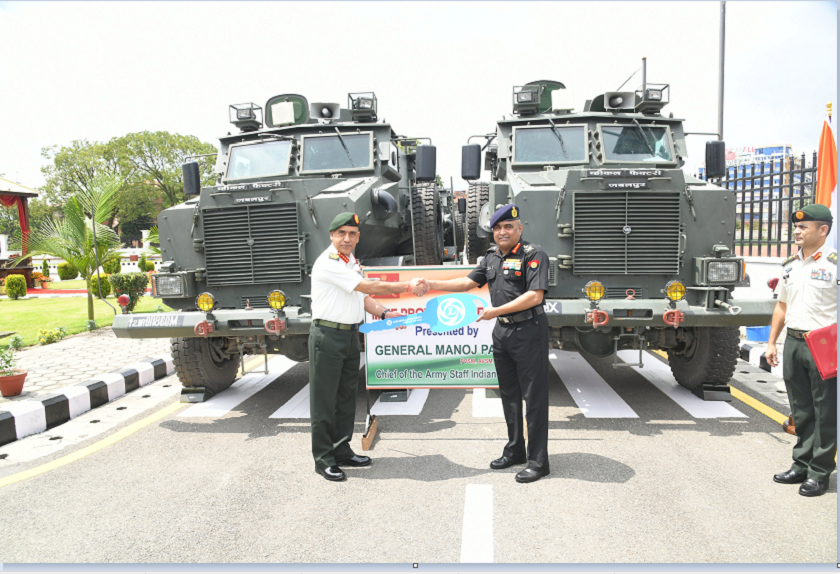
x=416 y=358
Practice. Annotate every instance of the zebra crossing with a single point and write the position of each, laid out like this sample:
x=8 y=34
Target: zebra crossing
x=592 y=394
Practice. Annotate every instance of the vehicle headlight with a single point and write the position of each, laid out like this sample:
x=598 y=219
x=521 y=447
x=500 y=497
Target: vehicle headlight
x=276 y=299
x=523 y=97
x=654 y=95
x=594 y=290
x=168 y=285
x=675 y=291
x=205 y=302
x=723 y=271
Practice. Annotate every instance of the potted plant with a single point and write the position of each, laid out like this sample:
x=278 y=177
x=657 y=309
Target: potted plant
x=41 y=279
x=11 y=378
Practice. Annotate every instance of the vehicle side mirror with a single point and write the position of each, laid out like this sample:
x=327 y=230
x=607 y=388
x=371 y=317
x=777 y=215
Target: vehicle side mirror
x=192 y=178
x=426 y=163
x=471 y=162
x=715 y=159
x=462 y=205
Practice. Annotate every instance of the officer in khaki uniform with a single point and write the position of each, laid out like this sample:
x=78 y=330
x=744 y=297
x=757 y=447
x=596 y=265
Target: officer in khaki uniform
x=808 y=301
x=339 y=301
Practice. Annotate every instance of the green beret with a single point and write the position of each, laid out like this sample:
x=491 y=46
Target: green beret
x=813 y=212
x=345 y=218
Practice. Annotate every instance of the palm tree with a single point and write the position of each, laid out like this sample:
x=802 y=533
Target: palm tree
x=72 y=237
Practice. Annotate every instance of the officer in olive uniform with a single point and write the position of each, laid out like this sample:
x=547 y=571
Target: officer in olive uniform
x=808 y=301
x=517 y=276
x=339 y=300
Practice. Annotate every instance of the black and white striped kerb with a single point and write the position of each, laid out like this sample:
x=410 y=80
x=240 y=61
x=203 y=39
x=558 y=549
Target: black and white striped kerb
x=754 y=355
x=23 y=418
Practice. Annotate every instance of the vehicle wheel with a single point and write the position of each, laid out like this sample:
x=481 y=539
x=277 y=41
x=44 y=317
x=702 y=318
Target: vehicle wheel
x=203 y=362
x=458 y=228
x=477 y=195
x=427 y=221
x=710 y=358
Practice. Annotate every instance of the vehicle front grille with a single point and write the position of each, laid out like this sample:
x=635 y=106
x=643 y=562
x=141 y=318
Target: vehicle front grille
x=626 y=233
x=252 y=244
x=621 y=293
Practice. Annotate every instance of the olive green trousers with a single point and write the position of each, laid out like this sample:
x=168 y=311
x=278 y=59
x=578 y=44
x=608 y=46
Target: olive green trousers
x=333 y=386
x=813 y=403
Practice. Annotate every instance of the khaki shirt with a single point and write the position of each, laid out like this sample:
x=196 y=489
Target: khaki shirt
x=333 y=284
x=809 y=287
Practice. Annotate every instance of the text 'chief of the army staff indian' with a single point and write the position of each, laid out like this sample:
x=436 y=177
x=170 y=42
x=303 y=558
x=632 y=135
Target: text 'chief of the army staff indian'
x=517 y=276
x=339 y=301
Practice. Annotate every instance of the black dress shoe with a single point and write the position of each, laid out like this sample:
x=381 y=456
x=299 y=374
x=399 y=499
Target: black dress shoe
x=813 y=488
x=355 y=460
x=531 y=474
x=331 y=473
x=790 y=477
x=506 y=462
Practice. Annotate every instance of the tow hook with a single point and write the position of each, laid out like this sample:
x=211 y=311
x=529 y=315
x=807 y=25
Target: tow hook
x=673 y=317
x=275 y=325
x=733 y=309
x=597 y=317
x=203 y=329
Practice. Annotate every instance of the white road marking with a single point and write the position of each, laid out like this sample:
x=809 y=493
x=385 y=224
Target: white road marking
x=659 y=374
x=477 y=535
x=295 y=408
x=595 y=398
x=484 y=406
x=413 y=406
x=240 y=391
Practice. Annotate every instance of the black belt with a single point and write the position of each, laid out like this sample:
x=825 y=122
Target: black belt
x=340 y=326
x=796 y=333
x=521 y=316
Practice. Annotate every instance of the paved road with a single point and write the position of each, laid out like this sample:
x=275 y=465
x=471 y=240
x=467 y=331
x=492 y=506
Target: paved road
x=639 y=473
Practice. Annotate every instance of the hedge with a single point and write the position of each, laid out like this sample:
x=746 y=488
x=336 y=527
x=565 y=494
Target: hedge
x=45 y=269
x=131 y=284
x=15 y=286
x=66 y=271
x=94 y=285
x=112 y=266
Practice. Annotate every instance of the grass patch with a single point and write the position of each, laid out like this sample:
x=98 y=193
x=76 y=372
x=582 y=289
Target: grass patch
x=72 y=284
x=27 y=316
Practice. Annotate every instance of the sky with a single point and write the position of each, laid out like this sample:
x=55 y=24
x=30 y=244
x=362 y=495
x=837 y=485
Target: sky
x=445 y=70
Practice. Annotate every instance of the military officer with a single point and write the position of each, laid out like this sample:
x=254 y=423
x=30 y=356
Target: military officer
x=517 y=276
x=808 y=301
x=339 y=300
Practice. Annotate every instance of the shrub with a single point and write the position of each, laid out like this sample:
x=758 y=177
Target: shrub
x=45 y=269
x=112 y=266
x=66 y=271
x=90 y=325
x=15 y=286
x=131 y=284
x=47 y=336
x=16 y=342
x=7 y=361
x=95 y=284
x=145 y=265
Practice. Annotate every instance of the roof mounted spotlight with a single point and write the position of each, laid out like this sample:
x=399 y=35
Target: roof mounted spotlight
x=362 y=106
x=650 y=98
x=247 y=117
x=526 y=99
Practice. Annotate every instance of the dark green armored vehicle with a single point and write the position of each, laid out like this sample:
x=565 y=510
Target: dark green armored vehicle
x=237 y=255
x=641 y=253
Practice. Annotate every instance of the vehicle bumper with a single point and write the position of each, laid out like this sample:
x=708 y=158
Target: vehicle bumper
x=649 y=312
x=226 y=323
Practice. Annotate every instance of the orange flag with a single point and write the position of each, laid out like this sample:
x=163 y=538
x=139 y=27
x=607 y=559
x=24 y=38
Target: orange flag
x=827 y=166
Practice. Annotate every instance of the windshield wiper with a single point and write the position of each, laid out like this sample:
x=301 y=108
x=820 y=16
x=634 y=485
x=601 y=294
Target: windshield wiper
x=559 y=137
x=644 y=137
x=347 y=151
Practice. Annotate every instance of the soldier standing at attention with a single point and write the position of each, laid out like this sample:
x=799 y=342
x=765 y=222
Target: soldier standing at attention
x=517 y=276
x=808 y=301
x=339 y=300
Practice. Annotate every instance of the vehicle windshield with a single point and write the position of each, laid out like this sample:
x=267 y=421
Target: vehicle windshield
x=543 y=145
x=625 y=143
x=326 y=153
x=269 y=158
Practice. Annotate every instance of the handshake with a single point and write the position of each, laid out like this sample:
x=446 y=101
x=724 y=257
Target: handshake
x=419 y=286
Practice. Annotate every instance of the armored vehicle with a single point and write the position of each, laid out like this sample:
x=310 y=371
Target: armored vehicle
x=641 y=253
x=237 y=255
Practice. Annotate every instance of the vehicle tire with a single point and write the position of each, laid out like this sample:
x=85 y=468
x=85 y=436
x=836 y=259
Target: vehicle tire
x=710 y=359
x=427 y=223
x=477 y=195
x=198 y=363
x=458 y=228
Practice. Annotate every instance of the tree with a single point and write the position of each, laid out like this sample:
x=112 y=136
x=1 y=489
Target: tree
x=72 y=236
x=73 y=169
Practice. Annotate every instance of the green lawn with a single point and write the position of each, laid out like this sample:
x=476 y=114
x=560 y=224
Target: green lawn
x=27 y=316
x=72 y=284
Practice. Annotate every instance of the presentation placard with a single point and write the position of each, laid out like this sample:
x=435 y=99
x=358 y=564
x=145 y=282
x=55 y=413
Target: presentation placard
x=417 y=358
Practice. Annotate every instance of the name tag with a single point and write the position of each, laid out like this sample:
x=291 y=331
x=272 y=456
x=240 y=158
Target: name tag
x=821 y=274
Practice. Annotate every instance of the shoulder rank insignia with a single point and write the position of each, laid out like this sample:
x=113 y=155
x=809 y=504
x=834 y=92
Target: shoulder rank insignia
x=528 y=248
x=789 y=259
x=832 y=257
x=334 y=256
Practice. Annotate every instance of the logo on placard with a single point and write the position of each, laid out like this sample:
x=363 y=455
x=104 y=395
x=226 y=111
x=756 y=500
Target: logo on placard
x=451 y=312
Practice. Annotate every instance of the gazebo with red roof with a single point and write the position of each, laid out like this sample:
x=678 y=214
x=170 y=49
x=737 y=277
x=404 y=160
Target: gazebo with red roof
x=14 y=194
